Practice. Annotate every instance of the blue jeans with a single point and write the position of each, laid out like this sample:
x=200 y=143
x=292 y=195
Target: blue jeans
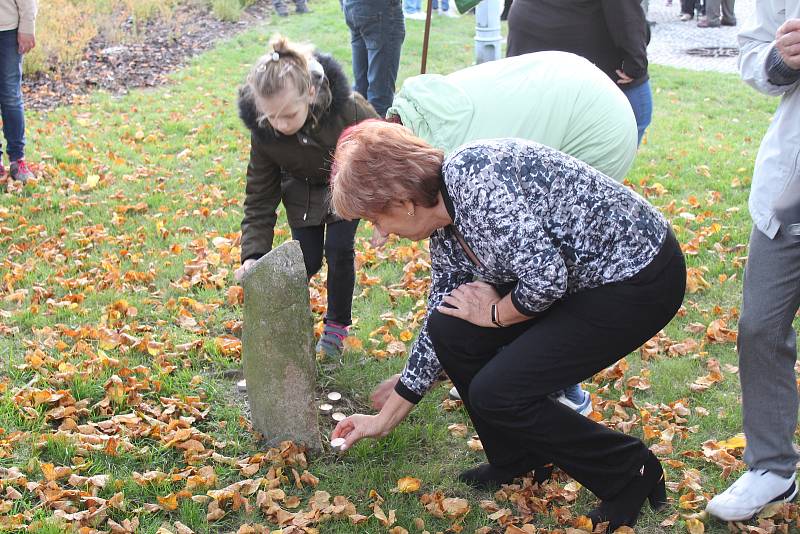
x=11 y=95
x=641 y=99
x=445 y=5
x=377 y=30
x=412 y=6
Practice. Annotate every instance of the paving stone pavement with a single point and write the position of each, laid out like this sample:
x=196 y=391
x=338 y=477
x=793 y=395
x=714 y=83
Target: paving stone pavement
x=671 y=37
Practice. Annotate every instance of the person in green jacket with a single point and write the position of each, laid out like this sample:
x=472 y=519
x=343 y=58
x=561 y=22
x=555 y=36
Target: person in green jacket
x=296 y=102
x=558 y=99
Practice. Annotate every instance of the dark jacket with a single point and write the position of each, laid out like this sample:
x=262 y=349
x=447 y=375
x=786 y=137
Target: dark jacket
x=612 y=34
x=295 y=168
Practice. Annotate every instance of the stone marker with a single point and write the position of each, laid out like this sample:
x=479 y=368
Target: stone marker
x=278 y=348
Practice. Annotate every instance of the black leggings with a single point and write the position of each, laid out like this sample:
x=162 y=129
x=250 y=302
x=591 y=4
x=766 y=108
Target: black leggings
x=504 y=375
x=336 y=240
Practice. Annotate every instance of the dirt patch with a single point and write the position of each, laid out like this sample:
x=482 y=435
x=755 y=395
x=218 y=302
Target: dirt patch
x=150 y=51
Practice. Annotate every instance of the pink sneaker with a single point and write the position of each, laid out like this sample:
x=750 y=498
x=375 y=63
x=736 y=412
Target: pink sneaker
x=20 y=171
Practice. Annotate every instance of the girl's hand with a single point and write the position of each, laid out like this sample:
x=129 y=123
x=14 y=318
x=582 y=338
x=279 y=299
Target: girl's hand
x=378 y=239
x=238 y=274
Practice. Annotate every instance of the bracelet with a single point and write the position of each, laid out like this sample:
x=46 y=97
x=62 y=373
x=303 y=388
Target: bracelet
x=496 y=316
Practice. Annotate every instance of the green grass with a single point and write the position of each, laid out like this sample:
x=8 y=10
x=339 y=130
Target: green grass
x=171 y=162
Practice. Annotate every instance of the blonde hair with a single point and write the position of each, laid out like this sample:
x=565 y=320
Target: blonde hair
x=377 y=164
x=285 y=65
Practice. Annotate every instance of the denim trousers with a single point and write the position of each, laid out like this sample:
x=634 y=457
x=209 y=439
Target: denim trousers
x=505 y=375
x=641 y=99
x=412 y=6
x=336 y=240
x=445 y=5
x=11 y=95
x=767 y=348
x=377 y=31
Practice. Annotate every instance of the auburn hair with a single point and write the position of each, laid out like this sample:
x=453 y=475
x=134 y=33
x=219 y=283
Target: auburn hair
x=378 y=163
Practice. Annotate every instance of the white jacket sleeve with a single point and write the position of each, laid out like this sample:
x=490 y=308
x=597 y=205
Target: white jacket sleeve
x=27 y=15
x=756 y=43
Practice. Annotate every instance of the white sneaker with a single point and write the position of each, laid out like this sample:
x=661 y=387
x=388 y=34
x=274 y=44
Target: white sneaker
x=583 y=407
x=577 y=399
x=419 y=15
x=754 y=491
x=452 y=12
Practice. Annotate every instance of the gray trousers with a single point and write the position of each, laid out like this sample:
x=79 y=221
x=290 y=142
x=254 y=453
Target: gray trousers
x=715 y=7
x=768 y=352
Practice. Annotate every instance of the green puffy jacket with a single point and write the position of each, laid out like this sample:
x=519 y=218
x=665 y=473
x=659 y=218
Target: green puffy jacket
x=554 y=98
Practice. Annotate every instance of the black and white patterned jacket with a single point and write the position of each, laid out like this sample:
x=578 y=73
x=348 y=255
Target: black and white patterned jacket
x=537 y=219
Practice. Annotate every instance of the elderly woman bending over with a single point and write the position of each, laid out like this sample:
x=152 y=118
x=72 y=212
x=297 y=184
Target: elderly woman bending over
x=543 y=272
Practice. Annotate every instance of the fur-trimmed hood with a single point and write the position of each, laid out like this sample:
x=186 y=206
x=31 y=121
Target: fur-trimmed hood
x=340 y=96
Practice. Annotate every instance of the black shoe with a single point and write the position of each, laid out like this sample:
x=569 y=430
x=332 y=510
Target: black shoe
x=728 y=22
x=623 y=510
x=301 y=9
x=282 y=11
x=487 y=477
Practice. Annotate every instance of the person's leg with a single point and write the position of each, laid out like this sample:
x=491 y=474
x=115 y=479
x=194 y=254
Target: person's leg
x=384 y=40
x=712 y=10
x=339 y=251
x=767 y=356
x=410 y=7
x=506 y=394
x=768 y=352
x=728 y=15
x=11 y=95
x=280 y=8
x=641 y=99
x=358 y=47
x=311 y=239
x=301 y=6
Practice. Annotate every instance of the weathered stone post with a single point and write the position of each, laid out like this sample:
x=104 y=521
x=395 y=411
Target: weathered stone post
x=278 y=348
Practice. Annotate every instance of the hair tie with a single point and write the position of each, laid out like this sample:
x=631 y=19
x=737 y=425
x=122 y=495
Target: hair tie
x=275 y=57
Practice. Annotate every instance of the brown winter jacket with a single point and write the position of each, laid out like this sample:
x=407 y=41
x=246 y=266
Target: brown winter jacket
x=295 y=168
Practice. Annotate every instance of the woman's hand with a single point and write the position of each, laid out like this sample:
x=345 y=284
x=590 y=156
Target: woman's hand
x=381 y=393
x=472 y=302
x=359 y=426
x=238 y=274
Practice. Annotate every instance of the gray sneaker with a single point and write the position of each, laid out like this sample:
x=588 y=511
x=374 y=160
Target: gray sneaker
x=20 y=171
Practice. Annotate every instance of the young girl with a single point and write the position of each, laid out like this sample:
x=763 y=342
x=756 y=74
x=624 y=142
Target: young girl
x=296 y=102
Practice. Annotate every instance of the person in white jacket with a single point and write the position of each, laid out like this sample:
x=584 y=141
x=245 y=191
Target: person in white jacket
x=770 y=62
x=17 y=37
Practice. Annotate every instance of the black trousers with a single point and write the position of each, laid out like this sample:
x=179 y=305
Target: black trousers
x=504 y=375
x=689 y=7
x=336 y=240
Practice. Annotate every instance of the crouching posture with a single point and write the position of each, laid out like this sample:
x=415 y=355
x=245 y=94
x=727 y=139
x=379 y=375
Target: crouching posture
x=543 y=272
